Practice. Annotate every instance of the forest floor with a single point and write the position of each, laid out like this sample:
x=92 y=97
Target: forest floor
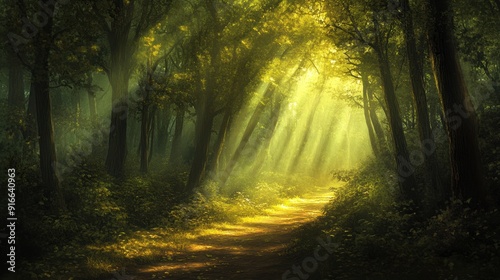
x=252 y=248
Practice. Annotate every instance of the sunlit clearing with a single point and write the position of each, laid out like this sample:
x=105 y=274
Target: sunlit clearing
x=317 y=130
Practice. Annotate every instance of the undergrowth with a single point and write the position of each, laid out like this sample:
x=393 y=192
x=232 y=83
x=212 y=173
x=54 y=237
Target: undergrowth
x=111 y=224
x=379 y=238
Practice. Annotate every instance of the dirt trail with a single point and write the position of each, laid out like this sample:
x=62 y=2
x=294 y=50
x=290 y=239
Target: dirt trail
x=250 y=249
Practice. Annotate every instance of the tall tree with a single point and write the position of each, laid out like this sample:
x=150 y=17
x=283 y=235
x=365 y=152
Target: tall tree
x=252 y=123
x=164 y=118
x=461 y=121
x=231 y=31
x=370 y=27
x=205 y=110
x=406 y=178
x=419 y=95
x=176 y=149
x=123 y=24
x=247 y=69
x=41 y=86
x=366 y=112
x=146 y=116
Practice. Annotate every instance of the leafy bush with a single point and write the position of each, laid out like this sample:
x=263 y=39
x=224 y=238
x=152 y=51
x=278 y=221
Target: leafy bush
x=145 y=200
x=199 y=210
x=381 y=238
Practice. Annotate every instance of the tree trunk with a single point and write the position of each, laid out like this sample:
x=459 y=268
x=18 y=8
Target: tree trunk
x=121 y=50
x=117 y=146
x=145 y=118
x=151 y=129
x=91 y=94
x=377 y=127
x=252 y=123
x=420 y=99
x=404 y=167
x=176 y=149
x=119 y=79
x=435 y=110
x=48 y=160
x=144 y=144
x=366 y=110
x=205 y=104
x=461 y=121
x=204 y=124
x=221 y=139
x=163 y=133
x=270 y=129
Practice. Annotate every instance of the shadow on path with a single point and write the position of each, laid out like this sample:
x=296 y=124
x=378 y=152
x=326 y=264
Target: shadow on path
x=252 y=248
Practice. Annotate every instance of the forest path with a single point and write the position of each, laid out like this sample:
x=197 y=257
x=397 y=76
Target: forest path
x=252 y=248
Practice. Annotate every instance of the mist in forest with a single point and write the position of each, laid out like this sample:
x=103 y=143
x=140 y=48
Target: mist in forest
x=169 y=139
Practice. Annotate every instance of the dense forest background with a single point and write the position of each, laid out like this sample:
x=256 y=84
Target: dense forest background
x=122 y=118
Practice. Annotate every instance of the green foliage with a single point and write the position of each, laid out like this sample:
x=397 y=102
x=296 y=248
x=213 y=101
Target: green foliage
x=269 y=187
x=101 y=209
x=145 y=200
x=213 y=205
x=198 y=211
x=92 y=203
x=12 y=143
x=104 y=211
x=490 y=140
x=343 y=175
x=383 y=239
